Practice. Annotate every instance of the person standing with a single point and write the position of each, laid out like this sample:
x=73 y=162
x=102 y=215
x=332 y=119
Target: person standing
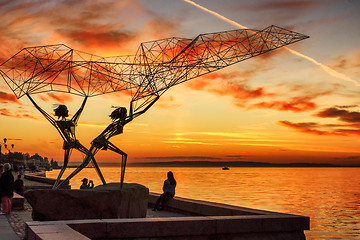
x=169 y=191
x=19 y=185
x=1 y=169
x=6 y=189
x=1 y=172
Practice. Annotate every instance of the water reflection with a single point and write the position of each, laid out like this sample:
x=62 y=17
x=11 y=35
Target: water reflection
x=330 y=196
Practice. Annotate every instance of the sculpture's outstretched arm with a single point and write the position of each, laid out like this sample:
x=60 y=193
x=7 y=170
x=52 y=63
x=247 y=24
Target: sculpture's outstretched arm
x=45 y=114
x=76 y=116
x=133 y=113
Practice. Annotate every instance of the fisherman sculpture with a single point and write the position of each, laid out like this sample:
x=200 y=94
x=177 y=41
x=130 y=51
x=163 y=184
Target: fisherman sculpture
x=145 y=76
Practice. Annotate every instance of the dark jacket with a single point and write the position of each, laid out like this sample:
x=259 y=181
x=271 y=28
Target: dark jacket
x=7 y=184
x=19 y=186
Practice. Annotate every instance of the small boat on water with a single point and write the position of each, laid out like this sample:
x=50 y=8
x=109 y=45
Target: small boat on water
x=225 y=168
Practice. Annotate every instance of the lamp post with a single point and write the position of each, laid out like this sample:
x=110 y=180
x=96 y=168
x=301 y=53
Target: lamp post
x=6 y=146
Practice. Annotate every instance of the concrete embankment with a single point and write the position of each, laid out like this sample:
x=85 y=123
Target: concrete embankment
x=181 y=219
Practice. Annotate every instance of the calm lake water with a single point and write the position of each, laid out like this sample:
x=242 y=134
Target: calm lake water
x=329 y=196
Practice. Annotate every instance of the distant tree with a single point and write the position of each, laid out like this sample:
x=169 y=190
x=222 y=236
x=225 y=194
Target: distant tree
x=14 y=156
x=27 y=156
x=37 y=156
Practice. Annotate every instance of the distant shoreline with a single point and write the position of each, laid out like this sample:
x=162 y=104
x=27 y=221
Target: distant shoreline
x=219 y=164
x=231 y=164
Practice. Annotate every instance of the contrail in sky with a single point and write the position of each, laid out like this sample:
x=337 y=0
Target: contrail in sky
x=327 y=69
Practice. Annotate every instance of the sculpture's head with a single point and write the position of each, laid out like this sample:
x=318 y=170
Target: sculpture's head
x=119 y=113
x=61 y=111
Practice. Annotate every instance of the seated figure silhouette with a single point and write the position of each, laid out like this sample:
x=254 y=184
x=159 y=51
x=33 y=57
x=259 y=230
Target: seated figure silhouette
x=169 y=191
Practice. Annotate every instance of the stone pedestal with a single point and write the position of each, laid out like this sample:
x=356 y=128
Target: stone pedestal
x=102 y=202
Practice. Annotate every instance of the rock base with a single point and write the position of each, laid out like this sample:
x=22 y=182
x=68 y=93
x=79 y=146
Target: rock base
x=103 y=202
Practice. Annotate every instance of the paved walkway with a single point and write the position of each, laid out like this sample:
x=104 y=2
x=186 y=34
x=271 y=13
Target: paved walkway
x=12 y=227
x=6 y=231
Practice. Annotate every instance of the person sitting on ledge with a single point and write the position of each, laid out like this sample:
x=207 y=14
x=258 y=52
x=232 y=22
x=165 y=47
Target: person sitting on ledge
x=169 y=191
x=85 y=184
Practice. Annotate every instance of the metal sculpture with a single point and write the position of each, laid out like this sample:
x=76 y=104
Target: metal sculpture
x=66 y=129
x=145 y=76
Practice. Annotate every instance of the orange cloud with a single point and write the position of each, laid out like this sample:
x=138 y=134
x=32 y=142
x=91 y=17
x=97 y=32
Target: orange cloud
x=295 y=104
x=100 y=36
x=343 y=115
x=92 y=26
x=308 y=127
x=215 y=83
x=5 y=112
x=6 y=97
x=60 y=98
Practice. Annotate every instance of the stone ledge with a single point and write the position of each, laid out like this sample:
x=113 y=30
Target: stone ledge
x=250 y=224
x=193 y=207
x=41 y=177
x=207 y=220
x=17 y=201
x=206 y=227
x=53 y=231
x=103 y=202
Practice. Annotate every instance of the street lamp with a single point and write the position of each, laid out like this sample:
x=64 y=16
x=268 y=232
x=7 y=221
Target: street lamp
x=6 y=146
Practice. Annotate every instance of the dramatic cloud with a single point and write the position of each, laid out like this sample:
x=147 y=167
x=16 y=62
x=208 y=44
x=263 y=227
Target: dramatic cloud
x=59 y=98
x=6 y=98
x=97 y=38
x=308 y=127
x=341 y=114
x=7 y=113
x=233 y=84
x=350 y=126
x=99 y=27
x=224 y=84
x=295 y=104
x=182 y=158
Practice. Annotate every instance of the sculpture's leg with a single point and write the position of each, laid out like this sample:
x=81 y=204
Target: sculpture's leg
x=89 y=156
x=67 y=153
x=113 y=148
x=85 y=151
x=98 y=169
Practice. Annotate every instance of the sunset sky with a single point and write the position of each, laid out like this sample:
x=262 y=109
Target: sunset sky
x=282 y=108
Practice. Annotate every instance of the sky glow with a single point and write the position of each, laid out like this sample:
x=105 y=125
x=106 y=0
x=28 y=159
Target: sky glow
x=292 y=105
